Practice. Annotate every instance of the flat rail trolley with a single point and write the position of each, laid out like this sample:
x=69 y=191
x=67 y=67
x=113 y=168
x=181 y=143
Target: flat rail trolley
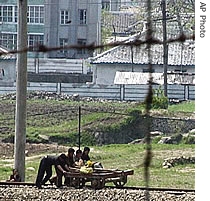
x=98 y=178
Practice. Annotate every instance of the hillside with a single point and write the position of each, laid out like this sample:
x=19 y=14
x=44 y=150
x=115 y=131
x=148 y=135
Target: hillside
x=55 y=118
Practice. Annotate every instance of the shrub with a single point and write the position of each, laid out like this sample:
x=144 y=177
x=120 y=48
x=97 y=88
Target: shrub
x=9 y=139
x=87 y=139
x=176 y=138
x=188 y=139
x=155 y=140
x=159 y=100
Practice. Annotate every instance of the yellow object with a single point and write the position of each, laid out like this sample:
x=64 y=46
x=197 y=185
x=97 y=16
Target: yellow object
x=89 y=163
x=86 y=170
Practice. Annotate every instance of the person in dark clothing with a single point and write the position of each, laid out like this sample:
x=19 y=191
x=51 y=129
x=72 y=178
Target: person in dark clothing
x=85 y=157
x=77 y=159
x=61 y=163
x=15 y=177
x=78 y=155
x=85 y=154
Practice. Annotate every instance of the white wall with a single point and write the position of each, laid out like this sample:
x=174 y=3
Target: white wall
x=7 y=70
x=114 y=92
x=105 y=73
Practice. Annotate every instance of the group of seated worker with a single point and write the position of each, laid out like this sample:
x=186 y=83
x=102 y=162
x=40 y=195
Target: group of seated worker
x=82 y=157
x=63 y=163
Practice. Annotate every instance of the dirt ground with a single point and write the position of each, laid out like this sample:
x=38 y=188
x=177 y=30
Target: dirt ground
x=7 y=149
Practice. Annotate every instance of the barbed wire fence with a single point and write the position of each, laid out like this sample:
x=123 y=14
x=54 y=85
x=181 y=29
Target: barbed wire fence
x=149 y=41
x=148 y=154
x=137 y=42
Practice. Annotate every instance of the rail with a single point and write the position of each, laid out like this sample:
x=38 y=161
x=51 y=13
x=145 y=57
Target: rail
x=162 y=189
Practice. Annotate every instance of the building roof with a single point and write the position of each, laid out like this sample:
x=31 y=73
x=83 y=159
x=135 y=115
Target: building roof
x=6 y=54
x=178 y=53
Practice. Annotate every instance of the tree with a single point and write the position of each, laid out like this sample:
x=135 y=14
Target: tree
x=184 y=12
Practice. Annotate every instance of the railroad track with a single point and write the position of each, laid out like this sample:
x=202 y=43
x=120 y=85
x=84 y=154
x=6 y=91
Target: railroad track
x=169 y=190
x=5 y=183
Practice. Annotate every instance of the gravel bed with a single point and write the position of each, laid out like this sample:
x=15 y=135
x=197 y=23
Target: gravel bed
x=68 y=193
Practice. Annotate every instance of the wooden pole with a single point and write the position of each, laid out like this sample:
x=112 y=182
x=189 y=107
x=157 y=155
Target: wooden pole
x=21 y=91
x=79 y=127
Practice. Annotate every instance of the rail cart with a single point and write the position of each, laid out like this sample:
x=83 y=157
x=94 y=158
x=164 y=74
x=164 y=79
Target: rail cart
x=98 y=178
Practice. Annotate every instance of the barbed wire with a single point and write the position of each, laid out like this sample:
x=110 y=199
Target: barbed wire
x=148 y=154
x=136 y=42
x=137 y=2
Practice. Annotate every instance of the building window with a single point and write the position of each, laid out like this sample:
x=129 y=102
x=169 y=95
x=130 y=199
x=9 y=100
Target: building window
x=148 y=70
x=10 y=14
x=36 y=14
x=81 y=42
x=7 y=13
x=106 y=6
x=82 y=16
x=64 y=17
x=8 y=40
x=63 y=43
x=180 y=70
x=15 y=14
x=35 y=40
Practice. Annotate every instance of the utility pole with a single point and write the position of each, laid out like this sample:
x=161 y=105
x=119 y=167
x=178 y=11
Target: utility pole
x=79 y=128
x=21 y=90
x=132 y=58
x=165 y=47
x=181 y=31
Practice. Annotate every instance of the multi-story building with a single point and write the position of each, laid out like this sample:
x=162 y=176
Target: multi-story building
x=54 y=23
x=8 y=23
x=72 y=22
x=111 y=5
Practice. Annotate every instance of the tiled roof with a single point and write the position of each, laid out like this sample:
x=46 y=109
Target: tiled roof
x=5 y=56
x=178 y=53
x=119 y=21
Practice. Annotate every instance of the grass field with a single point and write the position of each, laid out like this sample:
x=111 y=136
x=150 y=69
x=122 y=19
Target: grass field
x=60 y=119
x=57 y=121
x=129 y=157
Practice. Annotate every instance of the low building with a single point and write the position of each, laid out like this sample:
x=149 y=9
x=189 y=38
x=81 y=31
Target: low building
x=181 y=58
x=134 y=57
x=7 y=68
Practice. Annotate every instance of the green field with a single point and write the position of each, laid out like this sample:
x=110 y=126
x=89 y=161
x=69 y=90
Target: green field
x=58 y=120
x=130 y=157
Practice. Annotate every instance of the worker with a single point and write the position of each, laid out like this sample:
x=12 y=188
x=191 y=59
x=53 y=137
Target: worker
x=85 y=158
x=14 y=177
x=78 y=155
x=85 y=154
x=62 y=165
x=78 y=160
